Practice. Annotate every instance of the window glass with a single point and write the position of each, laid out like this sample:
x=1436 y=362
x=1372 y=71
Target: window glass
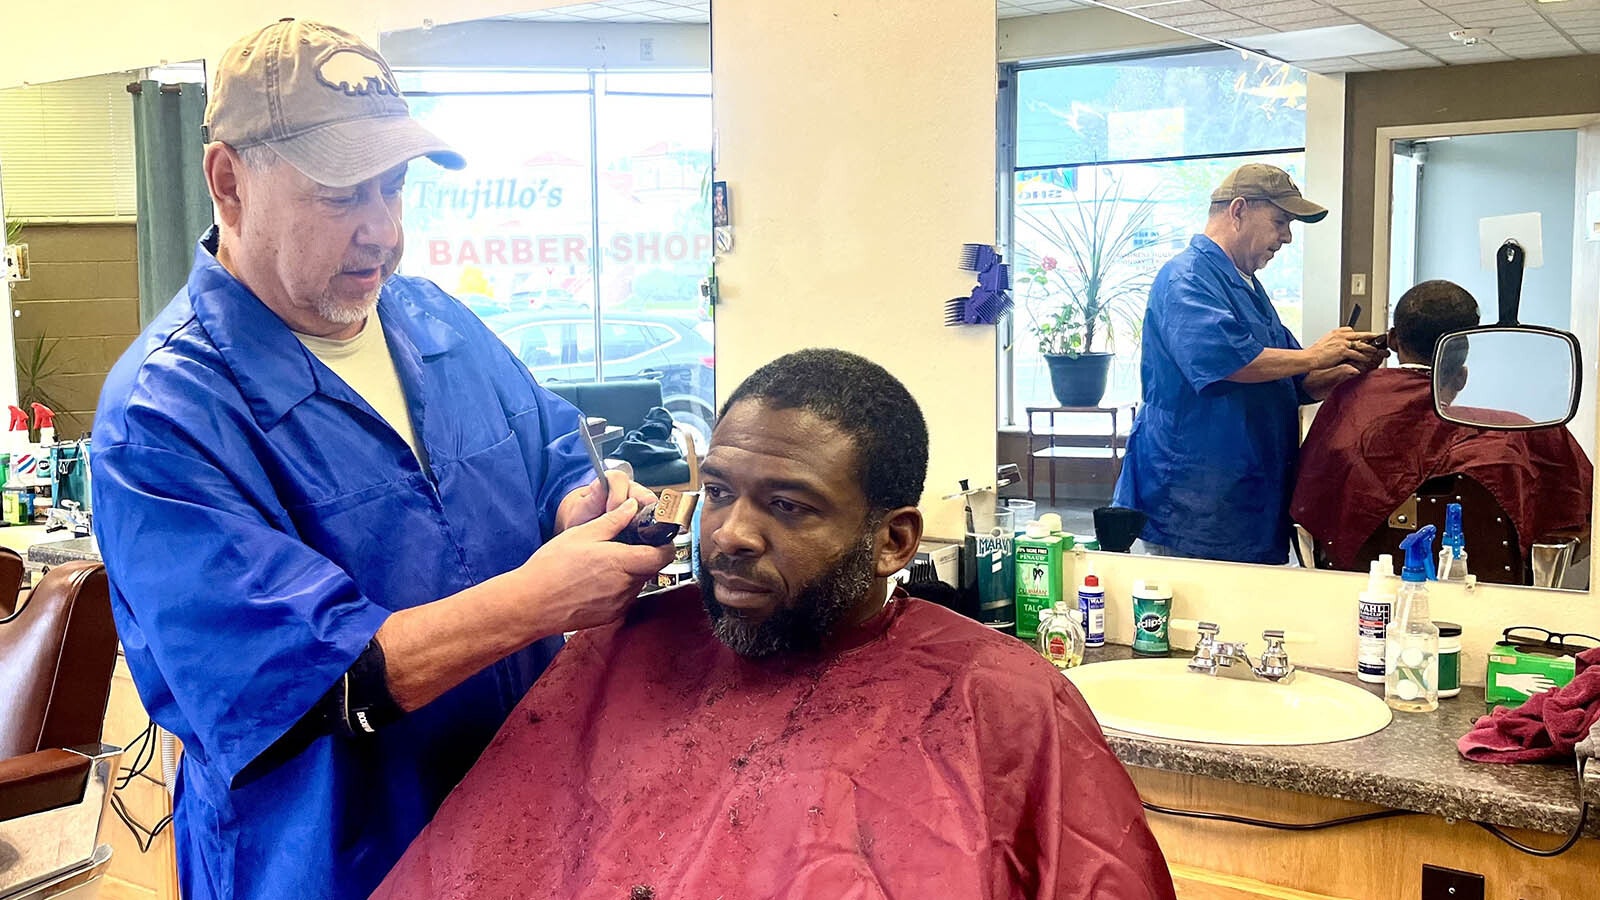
x=1192 y=104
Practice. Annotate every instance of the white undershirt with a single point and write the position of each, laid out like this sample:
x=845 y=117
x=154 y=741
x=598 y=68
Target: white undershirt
x=366 y=365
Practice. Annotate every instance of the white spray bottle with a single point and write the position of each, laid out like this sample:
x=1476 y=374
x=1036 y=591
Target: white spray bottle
x=20 y=474
x=45 y=419
x=1375 y=608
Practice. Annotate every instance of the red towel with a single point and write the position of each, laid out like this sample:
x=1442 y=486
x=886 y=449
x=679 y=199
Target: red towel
x=1545 y=727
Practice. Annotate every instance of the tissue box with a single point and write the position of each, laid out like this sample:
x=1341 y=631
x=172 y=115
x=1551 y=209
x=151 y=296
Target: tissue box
x=1512 y=666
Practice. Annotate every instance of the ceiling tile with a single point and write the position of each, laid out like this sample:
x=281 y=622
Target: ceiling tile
x=1213 y=18
x=1167 y=11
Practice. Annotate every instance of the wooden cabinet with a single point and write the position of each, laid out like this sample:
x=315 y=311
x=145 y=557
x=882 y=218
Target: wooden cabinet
x=1374 y=860
x=133 y=875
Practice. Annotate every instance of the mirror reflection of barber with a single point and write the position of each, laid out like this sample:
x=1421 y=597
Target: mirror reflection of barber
x=1211 y=456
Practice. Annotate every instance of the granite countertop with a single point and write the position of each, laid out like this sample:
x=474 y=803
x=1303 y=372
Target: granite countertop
x=56 y=552
x=1411 y=764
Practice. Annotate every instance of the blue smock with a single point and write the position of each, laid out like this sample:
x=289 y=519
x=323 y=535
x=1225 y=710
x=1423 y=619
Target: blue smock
x=1209 y=461
x=259 y=522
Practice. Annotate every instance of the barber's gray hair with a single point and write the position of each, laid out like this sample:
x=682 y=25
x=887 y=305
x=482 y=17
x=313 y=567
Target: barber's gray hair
x=258 y=157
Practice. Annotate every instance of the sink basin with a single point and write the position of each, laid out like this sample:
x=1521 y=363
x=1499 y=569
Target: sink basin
x=1162 y=698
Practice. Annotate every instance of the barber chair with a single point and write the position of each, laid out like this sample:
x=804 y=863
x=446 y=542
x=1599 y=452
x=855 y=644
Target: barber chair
x=11 y=572
x=1494 y=552
x=56 y=659
x=625 y=403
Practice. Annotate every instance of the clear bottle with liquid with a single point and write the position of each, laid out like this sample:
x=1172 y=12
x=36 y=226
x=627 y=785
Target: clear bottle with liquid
x=1411 y=682
x=1453 y=547
x=1060 y=636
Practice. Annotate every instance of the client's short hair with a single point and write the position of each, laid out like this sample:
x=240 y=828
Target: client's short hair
x=861 y=399
x=1430 y=311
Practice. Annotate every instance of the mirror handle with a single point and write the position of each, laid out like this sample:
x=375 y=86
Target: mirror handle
x=1509 y=263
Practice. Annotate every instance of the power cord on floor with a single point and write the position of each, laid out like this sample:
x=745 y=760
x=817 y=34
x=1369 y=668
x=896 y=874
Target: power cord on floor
x=144 y=753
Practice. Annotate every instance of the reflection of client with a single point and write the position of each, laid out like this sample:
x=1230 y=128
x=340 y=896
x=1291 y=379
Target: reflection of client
x=1377 y=439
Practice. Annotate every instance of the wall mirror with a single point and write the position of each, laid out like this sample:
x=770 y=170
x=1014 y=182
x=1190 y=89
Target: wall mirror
x=1114 y=128
x=85 y=166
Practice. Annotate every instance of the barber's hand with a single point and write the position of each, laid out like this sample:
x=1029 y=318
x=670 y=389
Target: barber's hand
x=587 y=503
x=1343 y=345
x=1371 y=357
x=586 y=578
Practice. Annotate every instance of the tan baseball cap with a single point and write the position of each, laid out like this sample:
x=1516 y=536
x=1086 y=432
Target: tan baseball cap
x=323 y=100
x=1259 y=181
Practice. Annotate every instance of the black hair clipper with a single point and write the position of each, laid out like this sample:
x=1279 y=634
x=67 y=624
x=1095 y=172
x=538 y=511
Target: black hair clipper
x=656 y=524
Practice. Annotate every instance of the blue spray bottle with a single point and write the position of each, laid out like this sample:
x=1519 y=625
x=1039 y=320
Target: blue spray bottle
x=1453 y=549
x=1411 y=681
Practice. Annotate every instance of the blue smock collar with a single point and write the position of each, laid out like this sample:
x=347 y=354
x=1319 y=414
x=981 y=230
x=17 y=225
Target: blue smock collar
x=1213 y=252
x=274 y=371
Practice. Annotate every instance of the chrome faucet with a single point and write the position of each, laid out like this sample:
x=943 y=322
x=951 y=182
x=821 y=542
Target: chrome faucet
x=1232 y=659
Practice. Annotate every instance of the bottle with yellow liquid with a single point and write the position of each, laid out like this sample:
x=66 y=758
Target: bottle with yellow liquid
x=1060 y=636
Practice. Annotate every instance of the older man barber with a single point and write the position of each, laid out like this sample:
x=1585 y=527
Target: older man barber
x=344 y=527
x=1211 y=455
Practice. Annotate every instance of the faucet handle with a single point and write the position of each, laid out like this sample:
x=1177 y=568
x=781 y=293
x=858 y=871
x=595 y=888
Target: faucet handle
x=1275 y=663
x=1205 y=660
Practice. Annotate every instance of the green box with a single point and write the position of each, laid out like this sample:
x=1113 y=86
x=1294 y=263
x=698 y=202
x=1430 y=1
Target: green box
x=1040 y=579
x=1511 y=663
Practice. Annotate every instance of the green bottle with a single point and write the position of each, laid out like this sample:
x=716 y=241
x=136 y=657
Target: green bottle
x=1040 y=561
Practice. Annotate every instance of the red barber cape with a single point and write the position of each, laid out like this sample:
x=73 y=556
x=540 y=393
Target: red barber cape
x=1377 y=439
x=929 y=757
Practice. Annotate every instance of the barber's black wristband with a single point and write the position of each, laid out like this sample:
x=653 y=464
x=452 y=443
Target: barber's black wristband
x=361 y=702
x=357 y=705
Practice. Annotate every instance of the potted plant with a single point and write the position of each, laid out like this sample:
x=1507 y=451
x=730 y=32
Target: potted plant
x=1082 y=284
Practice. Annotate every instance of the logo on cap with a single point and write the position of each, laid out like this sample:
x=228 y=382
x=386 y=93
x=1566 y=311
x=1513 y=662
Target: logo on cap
x=355 y=74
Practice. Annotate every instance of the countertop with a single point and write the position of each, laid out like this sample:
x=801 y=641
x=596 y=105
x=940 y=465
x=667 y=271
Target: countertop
x=61 y=550
x=1411 y=764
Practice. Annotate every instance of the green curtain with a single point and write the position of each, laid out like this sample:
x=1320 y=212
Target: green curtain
x=174 y=205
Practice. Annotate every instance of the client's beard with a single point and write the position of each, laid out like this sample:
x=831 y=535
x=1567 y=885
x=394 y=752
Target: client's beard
x=804 y=622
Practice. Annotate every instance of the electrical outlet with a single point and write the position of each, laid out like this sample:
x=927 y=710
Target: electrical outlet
x=1439 y=883
x=1358 y=284
x=647 y=49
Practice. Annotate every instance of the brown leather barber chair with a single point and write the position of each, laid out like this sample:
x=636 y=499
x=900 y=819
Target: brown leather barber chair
x=1494 y=552
x=56 y=658
x=11 y=572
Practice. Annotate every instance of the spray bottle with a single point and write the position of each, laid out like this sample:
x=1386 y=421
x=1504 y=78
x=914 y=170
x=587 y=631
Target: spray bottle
x=44 y=418
x=1453 y=549
x=24 y=465
x=1374 y=609
x=1412 y=647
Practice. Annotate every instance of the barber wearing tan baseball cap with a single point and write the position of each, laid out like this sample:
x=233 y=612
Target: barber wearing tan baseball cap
x=345 y=529
x=1211 y=456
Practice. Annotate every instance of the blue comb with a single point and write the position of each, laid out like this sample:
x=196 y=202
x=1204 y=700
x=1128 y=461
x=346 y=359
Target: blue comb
x=986 y=307
x=978 y=257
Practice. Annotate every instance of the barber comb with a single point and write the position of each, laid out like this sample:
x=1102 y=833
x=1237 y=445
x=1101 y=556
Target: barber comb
x=991 y=298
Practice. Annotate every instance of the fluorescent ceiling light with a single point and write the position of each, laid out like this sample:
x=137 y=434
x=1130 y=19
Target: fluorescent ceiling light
x=1322 y=43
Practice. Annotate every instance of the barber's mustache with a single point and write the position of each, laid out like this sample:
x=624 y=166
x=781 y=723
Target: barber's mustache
x=375 y=261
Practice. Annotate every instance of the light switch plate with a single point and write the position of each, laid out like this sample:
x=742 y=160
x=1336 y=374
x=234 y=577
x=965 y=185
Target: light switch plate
x=16 y=262
x=1439 y=883
x=1358 y=284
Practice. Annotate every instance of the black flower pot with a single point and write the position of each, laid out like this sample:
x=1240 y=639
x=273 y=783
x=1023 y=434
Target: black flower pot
x=1079 y=380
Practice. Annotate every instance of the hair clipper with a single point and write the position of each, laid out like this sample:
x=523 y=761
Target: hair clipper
x=657 y=524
